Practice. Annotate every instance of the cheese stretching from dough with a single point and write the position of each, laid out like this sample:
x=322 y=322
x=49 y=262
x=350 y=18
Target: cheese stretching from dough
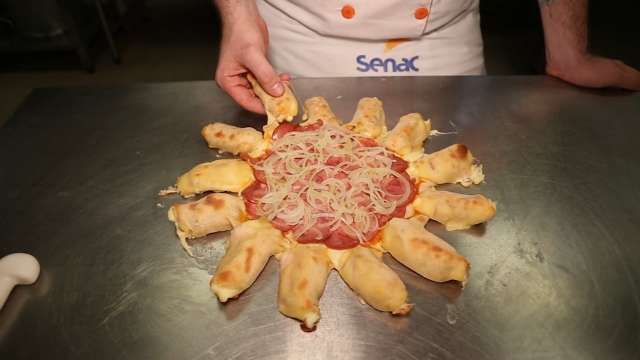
x=220 y=175
x=411 y=244
x=249 y=247
x=454 y=164
x=371 y=279
x=234 y=139
x=408 y=136
x=212 y=213
x=369 y=119
x=455 y=211
x=278 y=109
x=317 y=108
x=303 y=275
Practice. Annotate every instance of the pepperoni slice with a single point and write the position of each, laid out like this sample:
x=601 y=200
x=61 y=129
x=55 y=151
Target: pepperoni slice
x=283 y=129
x=367 y=142
x=255 y=191
x=259 y=175
x=311 y=127
x=398 y=164
x=393 y=187
x=281 y=225
x=334 y=160
x=312 y=235
x=412 y=190
x=252 y=209
x=320 y=177
x=340 y=240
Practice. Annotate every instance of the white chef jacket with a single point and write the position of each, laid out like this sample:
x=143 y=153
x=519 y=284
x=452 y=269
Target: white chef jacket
x=332 y=38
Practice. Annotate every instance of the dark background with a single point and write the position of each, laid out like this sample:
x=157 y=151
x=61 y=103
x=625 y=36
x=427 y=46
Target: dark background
x=177 y=40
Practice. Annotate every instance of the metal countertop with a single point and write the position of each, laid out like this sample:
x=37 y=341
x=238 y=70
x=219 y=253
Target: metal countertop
x=556 y=274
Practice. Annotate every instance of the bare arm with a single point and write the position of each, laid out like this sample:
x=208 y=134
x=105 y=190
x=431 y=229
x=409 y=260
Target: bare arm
x=244 y=49
x=568 y=58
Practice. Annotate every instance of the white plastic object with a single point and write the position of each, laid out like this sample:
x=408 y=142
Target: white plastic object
x=17 y=269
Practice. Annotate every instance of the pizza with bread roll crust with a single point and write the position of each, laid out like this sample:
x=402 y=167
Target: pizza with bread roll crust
x=325 y=195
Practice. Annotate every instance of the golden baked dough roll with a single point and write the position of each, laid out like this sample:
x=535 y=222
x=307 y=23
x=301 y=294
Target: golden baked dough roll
x=369 y=119
x=454 y=164
x=234 y=139
x=407 y=137
x=220 y=175
x=212 y=213
x=248 y=249
x=303 y=275
x=411 y=244
x=278 y=109
x=317 y=108
x=365 y=273
x=455 y=211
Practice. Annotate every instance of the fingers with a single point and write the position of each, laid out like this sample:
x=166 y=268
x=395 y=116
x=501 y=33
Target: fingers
x=238 y=88
x=258 y=65
x=285 y=77
x=629 y=77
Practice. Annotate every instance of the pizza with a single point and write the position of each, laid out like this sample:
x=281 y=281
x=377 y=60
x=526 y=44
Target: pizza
x=325 y=195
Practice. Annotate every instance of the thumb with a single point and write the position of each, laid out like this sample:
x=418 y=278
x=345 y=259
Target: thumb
x=257 y=63
x=629 y=78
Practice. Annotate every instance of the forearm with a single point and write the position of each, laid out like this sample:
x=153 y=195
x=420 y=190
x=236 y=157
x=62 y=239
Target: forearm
x=234 y=11
x=565 y=31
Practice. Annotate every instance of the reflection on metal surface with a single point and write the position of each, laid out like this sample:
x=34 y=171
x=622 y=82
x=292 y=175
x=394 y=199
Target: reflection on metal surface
x=554 y=274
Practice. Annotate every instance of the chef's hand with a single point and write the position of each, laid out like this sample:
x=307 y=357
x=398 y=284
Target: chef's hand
x=596 y=72
x=244 y=47
x=565 y=35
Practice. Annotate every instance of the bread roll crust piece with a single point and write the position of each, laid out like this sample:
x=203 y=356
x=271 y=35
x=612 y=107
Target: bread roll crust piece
x=365 y=273
x=408 y=136
x=212 y=213
x=233 y=139
x=249 y=247
x=220 y=175
x=411 y=244
x=454 y=211
x=369 y=119
x=453 y=164
x=317 y=108
x=278 y=109
x=303 y=275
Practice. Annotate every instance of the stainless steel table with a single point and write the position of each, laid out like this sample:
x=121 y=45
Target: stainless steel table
x=556 y=274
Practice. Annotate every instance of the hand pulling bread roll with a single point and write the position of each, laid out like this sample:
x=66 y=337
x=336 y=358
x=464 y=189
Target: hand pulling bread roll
x=371 y=279
x=455 y=211
x=411 y=244
x=303 y=274
x=317 y=108
x=212 y=213
x=278 y=109
x=234 y=139
x=369 y=119
x=220 y=175
x=249 y=247
x=454 y=164
x=407 y=137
